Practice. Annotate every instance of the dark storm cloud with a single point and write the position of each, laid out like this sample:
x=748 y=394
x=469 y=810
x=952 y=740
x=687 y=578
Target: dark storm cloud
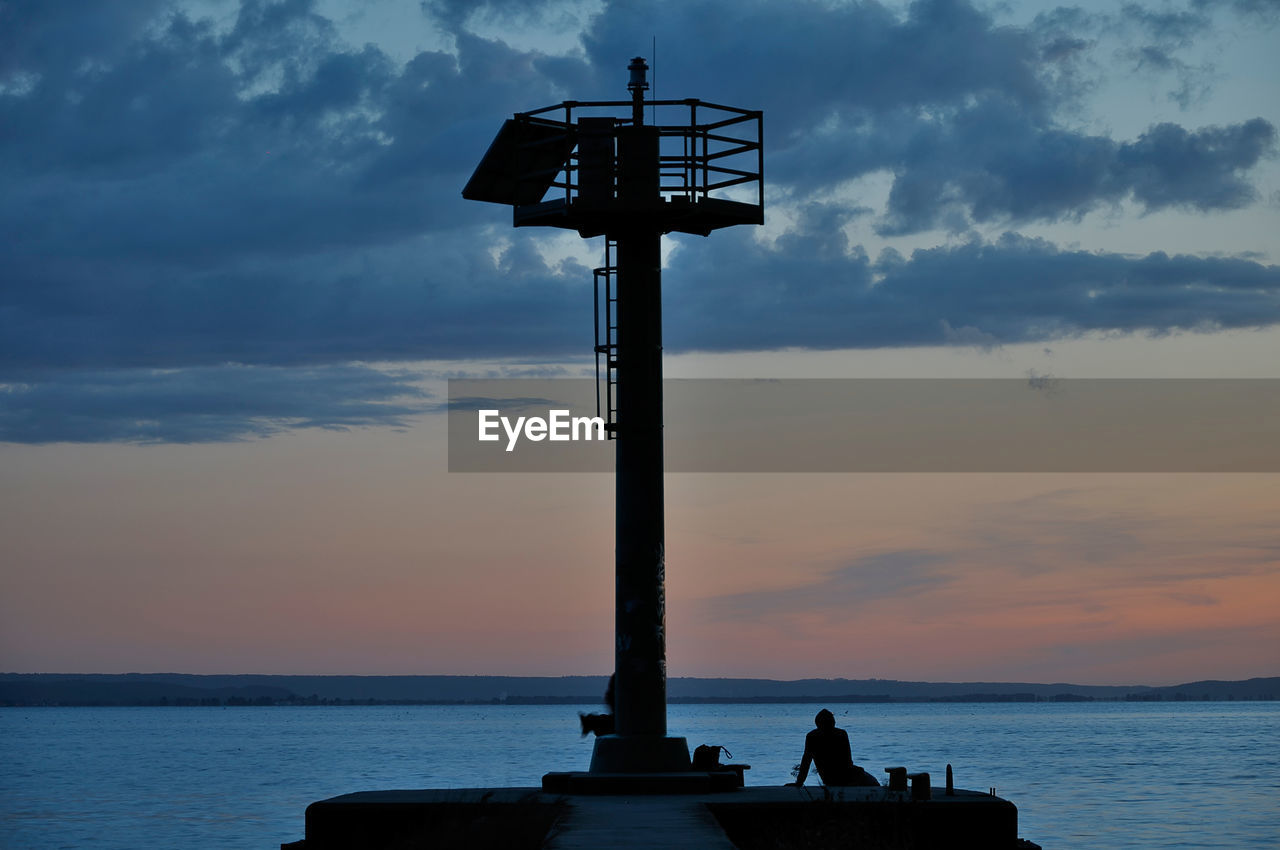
x=168 y=154
x=207 y=404
x=990 y=169
x=178 y=194
x=731 y=290
x=1168 y=165
x=959 y=110
x=438 y=297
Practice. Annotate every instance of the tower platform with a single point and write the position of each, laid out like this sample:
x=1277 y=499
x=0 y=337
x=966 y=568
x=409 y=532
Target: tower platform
x=674 y=214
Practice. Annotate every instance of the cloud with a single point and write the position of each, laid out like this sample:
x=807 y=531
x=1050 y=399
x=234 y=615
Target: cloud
x=1168 y=165
x=200 y=405
x=1015 y=289
x=869 y=579
x=1261 y=11
x=961 y=111
x=1118 y=549
x=1195 y=600
x=472 y=403
x=727 y=293
x=178 y=193
x=991 y=165
x=968 y=335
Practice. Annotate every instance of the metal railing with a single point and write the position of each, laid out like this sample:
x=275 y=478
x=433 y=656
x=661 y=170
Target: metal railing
x=697 y=161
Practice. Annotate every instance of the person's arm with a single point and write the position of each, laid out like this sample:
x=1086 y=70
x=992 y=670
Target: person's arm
x=804 y=767
x=804 y=763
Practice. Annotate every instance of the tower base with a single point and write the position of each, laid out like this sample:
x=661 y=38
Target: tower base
x=640 y=754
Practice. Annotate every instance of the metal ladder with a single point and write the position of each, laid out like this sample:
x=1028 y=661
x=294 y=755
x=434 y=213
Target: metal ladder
x=606 y=282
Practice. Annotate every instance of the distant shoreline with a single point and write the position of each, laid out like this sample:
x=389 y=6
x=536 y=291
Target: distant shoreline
x=30 y=690
x=977 y=699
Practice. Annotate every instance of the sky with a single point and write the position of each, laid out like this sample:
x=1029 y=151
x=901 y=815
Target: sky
x=237 y=270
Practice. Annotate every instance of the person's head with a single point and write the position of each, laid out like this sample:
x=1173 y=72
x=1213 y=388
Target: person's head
x=825 y=720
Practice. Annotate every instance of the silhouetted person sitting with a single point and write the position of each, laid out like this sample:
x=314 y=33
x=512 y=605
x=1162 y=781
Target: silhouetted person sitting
x=600 y=724
x=827 y=748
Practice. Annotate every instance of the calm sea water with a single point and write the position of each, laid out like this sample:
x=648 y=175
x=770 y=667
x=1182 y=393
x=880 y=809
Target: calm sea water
x=1113 y=775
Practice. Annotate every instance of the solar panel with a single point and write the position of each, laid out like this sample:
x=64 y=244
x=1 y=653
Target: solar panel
x=521 y=163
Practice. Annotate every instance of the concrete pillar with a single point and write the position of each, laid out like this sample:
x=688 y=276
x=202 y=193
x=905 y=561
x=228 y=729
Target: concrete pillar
x=640 y=651
x=640 y=554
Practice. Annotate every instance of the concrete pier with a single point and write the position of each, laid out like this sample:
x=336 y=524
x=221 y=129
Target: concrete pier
x=747 y=818
x=640 y=822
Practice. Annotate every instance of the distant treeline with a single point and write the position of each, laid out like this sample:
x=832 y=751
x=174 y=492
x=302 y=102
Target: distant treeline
x=179 y=689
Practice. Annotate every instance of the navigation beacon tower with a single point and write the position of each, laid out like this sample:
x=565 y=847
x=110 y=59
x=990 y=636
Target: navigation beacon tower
x=580 y=166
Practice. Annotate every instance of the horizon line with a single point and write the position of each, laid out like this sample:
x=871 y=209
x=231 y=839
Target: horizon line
x=669 y=678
